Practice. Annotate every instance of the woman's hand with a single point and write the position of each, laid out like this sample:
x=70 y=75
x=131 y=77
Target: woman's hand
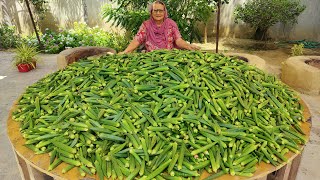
x=194 y=47
x=184 y=45
x=134 y=44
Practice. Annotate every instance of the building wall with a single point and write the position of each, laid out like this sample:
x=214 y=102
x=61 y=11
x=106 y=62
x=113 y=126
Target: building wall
x=1 y=7
x=62 y=13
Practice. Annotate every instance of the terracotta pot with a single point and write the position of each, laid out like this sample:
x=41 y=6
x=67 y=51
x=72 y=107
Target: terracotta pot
x=23 y=67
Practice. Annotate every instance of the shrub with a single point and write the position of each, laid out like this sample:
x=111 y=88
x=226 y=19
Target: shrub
x=297 y=50
x=80 y=35
x=262 y=14
x=8 y=36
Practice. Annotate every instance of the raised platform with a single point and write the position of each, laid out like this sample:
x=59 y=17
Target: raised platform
x=251 y=59
x=302 y=73
x=34 y=166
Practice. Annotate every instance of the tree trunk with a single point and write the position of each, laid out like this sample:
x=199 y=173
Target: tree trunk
x=85 y=11
x=218 y=26
x=261 y=34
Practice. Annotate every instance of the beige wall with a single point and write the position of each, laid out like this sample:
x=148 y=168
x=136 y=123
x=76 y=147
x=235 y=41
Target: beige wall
x=15 y=13
x=63 y=13
x=3 y=11
x=1 y=7
x=227 y=25
x=308 y=26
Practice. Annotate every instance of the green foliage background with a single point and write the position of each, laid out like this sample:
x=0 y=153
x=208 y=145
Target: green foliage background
x=186 y=13
x=8 y=36
x=80 y=35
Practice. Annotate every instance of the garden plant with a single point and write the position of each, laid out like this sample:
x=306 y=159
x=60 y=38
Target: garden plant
x=262 y=14
x=80 y=35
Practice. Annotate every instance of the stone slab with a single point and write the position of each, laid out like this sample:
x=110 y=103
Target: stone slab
x=71 y=55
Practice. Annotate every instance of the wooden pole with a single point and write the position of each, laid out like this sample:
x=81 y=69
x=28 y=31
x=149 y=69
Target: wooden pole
x=206 y=33
x=33 y=23
x=218 y=25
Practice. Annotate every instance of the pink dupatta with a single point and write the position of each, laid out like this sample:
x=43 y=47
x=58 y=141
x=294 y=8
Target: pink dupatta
x=158 y=35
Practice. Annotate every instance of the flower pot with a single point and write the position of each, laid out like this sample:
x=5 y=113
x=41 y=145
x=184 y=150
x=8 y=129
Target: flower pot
x=33 y=65
x=23 y=67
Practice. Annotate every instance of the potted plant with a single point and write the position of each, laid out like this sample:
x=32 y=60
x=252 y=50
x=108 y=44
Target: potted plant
x=25 y=58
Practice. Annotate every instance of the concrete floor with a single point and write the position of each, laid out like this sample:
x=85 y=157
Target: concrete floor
x=14 y=84
x=11 y=87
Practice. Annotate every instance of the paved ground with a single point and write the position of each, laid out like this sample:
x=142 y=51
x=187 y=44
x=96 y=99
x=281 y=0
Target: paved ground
x=309 y=167
x=11 y=87
x=14 y=84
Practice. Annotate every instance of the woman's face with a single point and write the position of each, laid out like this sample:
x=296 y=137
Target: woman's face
x=158 y=12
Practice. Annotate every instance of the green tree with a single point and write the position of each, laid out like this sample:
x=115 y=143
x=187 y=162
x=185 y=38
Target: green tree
x=186 y=13
x=262 y=14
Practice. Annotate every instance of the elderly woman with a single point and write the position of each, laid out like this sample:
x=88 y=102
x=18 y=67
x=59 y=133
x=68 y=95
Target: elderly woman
x=159 y=32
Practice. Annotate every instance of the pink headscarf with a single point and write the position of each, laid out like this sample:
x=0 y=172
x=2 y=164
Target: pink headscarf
x=155 y=33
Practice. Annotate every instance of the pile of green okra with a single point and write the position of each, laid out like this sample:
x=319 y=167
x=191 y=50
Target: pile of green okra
x=161 y=115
